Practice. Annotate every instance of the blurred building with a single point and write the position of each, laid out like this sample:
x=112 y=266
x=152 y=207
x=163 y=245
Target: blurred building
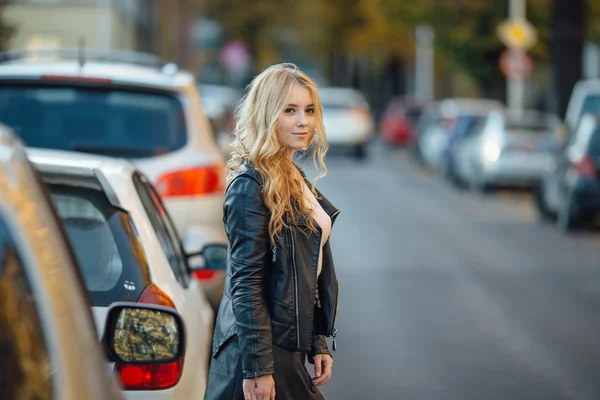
x=156 y=26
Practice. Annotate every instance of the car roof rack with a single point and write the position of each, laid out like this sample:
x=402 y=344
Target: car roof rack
x=85 y=55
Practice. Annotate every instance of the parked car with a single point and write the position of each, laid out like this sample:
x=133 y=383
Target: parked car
x=347 y=118
x=219 y=103
x=50 y=349
x=128 y=105
x=399 y=121
x=570 y=191
x=584 y=99
x=511 y=148
x=440 y=123
x=128 y=250
x=468 y=123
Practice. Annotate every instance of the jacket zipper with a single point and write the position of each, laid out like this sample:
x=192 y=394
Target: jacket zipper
x=274 y=253
x=295 y=289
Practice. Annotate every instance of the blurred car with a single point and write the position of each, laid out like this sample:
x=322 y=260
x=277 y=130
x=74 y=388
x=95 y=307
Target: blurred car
x=440 y=123
x=129 y=105
x=128 y=250
x=468 y=123
x=511 y=148
x=584 y=99
x=570 y=191
x=49 y=344
x=399 y=121
x=219 y=103
x=347 y=118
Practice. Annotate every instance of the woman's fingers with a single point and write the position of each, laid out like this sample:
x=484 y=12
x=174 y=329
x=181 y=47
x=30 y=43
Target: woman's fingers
x=317 y=361
x=327 y=364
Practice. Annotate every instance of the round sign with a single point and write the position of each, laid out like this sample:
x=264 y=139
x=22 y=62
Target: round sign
x=515 y=64
x=517 y=33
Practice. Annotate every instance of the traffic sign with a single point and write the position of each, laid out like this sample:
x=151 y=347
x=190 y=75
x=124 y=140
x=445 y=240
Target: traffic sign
x=517 y=33
x=515 y=64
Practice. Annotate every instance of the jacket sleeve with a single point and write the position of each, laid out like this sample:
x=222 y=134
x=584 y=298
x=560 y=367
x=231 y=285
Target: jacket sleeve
x=319 y=346
x=246 y=217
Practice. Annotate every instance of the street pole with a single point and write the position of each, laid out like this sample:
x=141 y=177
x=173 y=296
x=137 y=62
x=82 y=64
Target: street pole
x=424 y=63
x=516 y=84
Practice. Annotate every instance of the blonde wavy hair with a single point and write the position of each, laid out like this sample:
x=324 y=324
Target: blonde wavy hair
x=256 y=140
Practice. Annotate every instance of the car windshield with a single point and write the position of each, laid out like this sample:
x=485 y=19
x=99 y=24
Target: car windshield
x=466 y=124
x=106 y=121
x=530 y=124
x=591 y=105
x=103 y=238
x=594 y=146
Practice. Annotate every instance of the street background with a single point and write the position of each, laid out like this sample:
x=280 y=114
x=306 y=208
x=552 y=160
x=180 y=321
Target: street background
x=444 y=293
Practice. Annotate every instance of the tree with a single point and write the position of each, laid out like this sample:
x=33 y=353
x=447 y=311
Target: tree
x=6 y=30
x=567 y=48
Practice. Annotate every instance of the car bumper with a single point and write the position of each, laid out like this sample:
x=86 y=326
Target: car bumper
x=517 y=170
x=586 y=195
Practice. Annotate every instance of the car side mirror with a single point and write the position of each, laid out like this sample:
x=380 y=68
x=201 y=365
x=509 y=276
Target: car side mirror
x=138 y=333
x=214 y=254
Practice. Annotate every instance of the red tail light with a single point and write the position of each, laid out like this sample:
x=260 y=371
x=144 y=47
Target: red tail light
x=586 y=167
x=192 y=181
x=204 y=274
x=150 y=376
x=153 y=295
x=364 y=111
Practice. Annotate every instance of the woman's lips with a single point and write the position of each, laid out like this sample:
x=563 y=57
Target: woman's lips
x=302 y=134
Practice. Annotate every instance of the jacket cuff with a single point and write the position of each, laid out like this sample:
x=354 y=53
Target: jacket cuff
x=319 y=346
x=250 y=374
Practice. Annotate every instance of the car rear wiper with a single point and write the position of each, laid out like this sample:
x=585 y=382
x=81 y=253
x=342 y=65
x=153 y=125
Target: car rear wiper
x=101 y=148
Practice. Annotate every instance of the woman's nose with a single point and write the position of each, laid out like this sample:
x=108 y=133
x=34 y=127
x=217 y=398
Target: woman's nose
x=301 y=119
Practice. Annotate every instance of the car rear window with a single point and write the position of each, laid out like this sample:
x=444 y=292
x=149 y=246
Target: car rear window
x=114 y=122
x=594 y=146
x=107 y=249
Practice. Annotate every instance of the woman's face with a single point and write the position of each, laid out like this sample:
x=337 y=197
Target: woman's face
x=297 y=122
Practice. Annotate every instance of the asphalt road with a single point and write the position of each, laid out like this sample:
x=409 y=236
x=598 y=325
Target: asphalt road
x=447 y=295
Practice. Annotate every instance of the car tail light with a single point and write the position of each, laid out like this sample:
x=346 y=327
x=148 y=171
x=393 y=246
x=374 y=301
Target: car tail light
x=149 y=376
x=192 y=181
x=157 y=375
x=153 y=295
x=585 y=166
x=205 y=274
x=364 y=111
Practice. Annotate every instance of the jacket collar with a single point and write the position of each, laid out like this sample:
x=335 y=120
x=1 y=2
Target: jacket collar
x=247 y=168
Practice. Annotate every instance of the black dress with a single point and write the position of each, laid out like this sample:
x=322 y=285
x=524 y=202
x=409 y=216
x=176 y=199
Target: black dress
x=292 y=380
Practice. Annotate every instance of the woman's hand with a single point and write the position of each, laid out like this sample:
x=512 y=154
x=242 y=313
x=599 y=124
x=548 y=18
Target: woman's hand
x=323 y=364
x=261 y=388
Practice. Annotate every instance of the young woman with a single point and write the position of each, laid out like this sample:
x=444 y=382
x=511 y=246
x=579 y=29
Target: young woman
x=281 y=290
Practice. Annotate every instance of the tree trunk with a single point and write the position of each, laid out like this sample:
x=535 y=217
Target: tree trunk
x=566 y=49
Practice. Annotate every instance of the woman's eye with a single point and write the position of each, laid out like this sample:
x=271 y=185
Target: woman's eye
x=289 y=110
x=310 y=111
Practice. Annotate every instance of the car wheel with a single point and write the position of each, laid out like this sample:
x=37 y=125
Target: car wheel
x=543 y=212
x=360 y=152
x=566 y=217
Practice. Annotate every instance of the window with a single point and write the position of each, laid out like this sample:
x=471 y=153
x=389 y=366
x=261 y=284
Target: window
x=108 y=252
x=25 y=370
x=112 y=122
x=164 y=228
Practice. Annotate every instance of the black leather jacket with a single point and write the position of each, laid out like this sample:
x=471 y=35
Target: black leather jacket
x=270 y=291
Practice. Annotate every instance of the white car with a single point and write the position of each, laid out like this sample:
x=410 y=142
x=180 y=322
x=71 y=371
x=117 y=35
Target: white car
x=128 y=250
x=442 y=120
x=584 y=99
x=130 y=105
x=347 y=118
x=49 y=345
x=509 y=148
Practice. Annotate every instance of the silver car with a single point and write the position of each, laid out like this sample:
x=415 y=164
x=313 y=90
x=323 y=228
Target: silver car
x=48 y=342
x=509 y=148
